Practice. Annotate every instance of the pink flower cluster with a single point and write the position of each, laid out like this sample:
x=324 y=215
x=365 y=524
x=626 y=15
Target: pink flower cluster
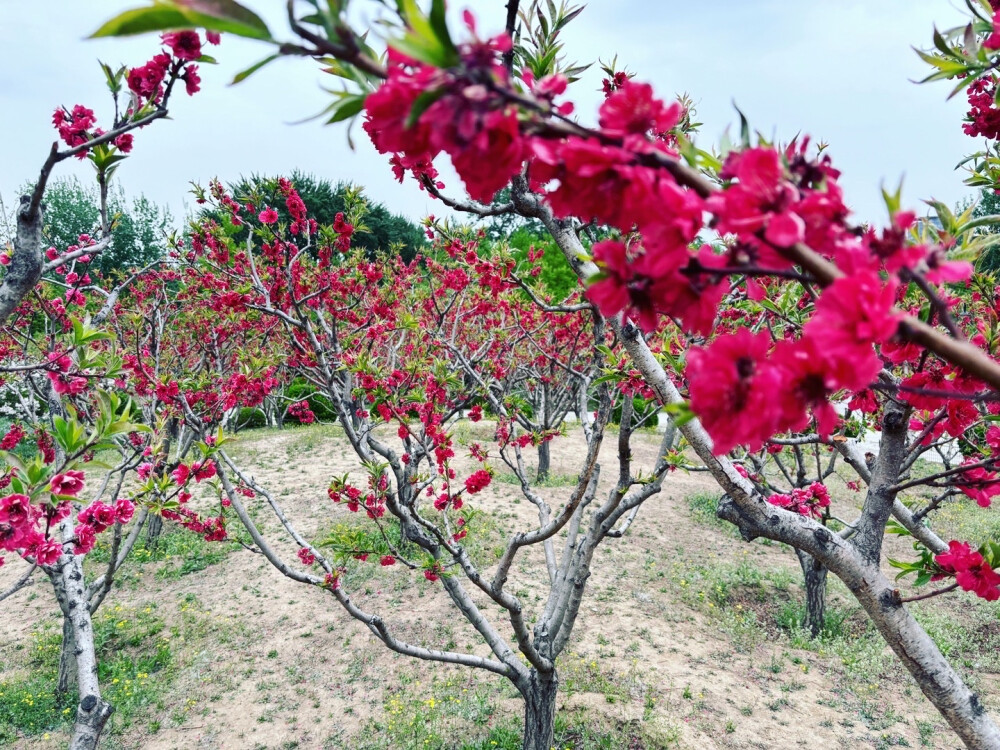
x=14 y=436
x=97 y=517
x=68 y=483
x=971 y=570
x=200 y=470
x=373 y=502
x=771 y=201
x=74 y=125
x=147 y=81
x=980 y=484
x=301 y=411
x=983 y=118
x=744 y=390
x=19 y=520
x=806 y=501
x=434 y=572
x=211 y=529
x=468 y=121
x=478 y=481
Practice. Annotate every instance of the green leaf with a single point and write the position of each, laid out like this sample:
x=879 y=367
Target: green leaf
x=770 y=306
x=423 y=41
x=12 y=460
x=422 y=103
x=893 y=201
x=440 y=27
x=143 y=20
x=225 y=16
x=415 y=19
x=969 y=41
x=942 y=45
x=244 y=74
x=420 y=49
x=348 y=108
x=744 y=128
x=894 y=527
x=680 y=413
x=100 y=464
x=227 y=10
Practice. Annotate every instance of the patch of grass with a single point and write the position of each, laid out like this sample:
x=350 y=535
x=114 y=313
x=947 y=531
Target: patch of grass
x=309 y=437
x=578 y=675
x=740 y=597
x=719 y=586
x=28 y=707
x=465 y=432
x=134 y=667
x=185 y=552
x=486 y=713
x=838 y=623
x=970 y=642
x=553 y=480
x=961 y=518
x=181 y=551
x=926 y=730
x=704 y=506
x=429 y=716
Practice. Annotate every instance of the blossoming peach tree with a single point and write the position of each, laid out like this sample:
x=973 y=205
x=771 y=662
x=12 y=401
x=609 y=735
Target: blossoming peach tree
x=775 y=306
x=60 y=364
x=400 y=351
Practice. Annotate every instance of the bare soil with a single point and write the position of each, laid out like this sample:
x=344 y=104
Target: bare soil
x=279 y=665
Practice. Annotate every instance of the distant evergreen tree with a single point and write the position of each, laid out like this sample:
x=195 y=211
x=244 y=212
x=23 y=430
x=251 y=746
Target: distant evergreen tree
x=989 y=205
x=325 y=200
x=139 y=226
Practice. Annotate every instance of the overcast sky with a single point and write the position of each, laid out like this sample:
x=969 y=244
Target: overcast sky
x=839 y=70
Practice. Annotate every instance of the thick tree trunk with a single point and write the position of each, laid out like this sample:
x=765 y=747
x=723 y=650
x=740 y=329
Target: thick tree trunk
x=26 y=262
x=153 y=530
x=93 y=711
x=67 y=661
x=814 y=574
x=539 y=710
x=937 y=679
x=544 y=461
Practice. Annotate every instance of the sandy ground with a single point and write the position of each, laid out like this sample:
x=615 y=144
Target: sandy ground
x=282 y=665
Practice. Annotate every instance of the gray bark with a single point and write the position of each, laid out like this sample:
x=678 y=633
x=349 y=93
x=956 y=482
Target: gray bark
x=67 y=661
x=93 y=711
x=539 y=692
x=544 y=461
x=814 y=577
x=153 y=531
x=857 y=565
x=25 y=268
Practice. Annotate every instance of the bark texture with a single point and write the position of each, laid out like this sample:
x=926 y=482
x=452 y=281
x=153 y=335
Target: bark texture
x=25 y=268
x=544 y=461
x=855 y=563
x=814 y=576
x=92 y=712
x=539 y=692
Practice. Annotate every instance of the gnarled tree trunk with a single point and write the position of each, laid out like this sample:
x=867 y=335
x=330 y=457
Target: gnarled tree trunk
x=544 y=461
x=67 y=661
x=539 y=692
x=93 y=712
x=814 y=574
